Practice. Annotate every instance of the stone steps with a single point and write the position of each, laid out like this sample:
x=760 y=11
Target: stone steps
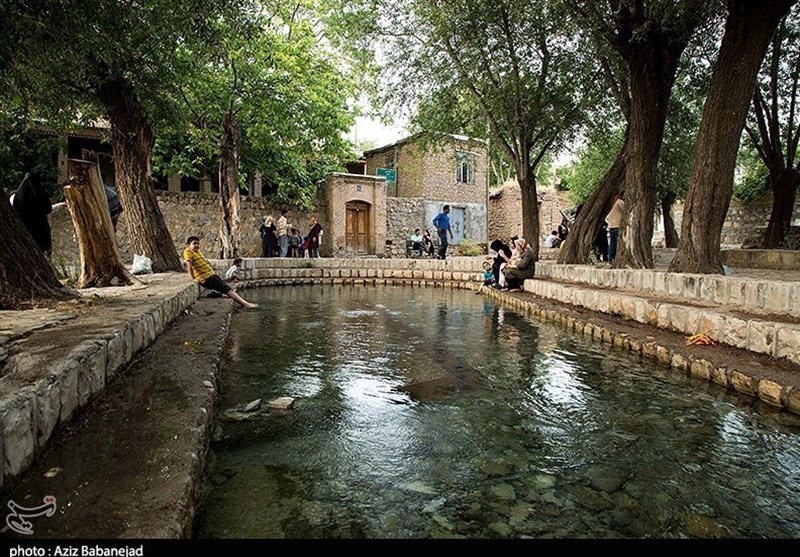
x=687 y=304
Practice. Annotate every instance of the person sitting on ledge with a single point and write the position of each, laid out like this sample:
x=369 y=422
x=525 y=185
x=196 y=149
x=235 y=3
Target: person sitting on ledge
x=552 y=241
x=201 y=272
x=416 y=238
x=523 y=269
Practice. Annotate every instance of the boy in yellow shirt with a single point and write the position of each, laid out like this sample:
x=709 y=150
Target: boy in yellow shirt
x=200 y=270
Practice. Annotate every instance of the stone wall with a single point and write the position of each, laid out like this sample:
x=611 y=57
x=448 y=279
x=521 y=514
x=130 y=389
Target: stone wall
x=403 y=215
x=505 y=211
x=186 y=214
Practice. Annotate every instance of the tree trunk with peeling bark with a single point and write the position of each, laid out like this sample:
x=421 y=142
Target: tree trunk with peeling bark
x=132 y=139
x=97 y=244
x=652 y=65
x=25 y=275
x=229 y=197
x=749 y=27
x=530 y=206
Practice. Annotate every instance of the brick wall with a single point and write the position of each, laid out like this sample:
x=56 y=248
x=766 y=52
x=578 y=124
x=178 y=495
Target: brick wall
x=440 y=174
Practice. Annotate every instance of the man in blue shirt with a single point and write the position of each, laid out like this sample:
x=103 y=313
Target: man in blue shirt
x=442 y=224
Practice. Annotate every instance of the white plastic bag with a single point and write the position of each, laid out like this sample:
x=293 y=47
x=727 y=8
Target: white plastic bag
x=142 y=265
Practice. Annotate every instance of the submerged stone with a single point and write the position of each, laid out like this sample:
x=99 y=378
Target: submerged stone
x=504 y=491
x=281 y=403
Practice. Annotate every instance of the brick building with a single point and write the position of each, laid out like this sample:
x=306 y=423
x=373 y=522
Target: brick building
x=428 y=175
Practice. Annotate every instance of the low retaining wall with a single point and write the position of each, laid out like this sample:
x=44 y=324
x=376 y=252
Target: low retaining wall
x=781 y=298
x=762 y=258
x=41 y=391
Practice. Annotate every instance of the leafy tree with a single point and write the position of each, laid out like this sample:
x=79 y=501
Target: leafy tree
x=591 y=163
x=774 y=124
x=268 y=98
x=749 y=27
x=118 y=59
x=512 y=76
x=753 y=181
x=639 y=45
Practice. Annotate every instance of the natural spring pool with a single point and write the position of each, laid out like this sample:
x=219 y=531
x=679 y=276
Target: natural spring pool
x=427 y=413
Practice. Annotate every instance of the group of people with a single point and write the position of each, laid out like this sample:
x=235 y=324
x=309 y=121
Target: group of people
x=422 y=242
x=279 y=239
x=510 y=266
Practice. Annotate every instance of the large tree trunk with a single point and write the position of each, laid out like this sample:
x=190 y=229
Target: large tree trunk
x=229 y=197
x=100 y=261
x=652 y=65
x=132 y=139
x=748 y=29
x=587 y=224
x=530 y=206
x=25 y=275
x=784 y=190
x=670 y=233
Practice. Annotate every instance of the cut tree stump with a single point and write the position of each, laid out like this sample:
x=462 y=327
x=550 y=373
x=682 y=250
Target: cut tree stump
x=101 y=264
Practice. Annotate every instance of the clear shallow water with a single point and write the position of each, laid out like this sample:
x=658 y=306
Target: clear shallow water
x=434 y=413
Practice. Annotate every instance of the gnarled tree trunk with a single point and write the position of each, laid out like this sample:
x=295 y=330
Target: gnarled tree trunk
x=25 y=275
x=784 y=191
x=653 y=65
x=748 y=29
x=229 y=197
x=100 y=261
x=587 y=224
x=132 y=139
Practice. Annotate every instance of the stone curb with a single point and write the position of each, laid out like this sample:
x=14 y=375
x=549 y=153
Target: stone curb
x=30 y=413
x=766 y=390
x=776 y=339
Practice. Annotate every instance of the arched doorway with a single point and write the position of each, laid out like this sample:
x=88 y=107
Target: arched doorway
x=357 y=227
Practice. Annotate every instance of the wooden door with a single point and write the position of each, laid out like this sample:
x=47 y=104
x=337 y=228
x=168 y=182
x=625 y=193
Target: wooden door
x=357 y=227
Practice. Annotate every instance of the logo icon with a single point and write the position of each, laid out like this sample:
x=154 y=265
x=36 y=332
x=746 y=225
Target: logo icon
x=16 y=519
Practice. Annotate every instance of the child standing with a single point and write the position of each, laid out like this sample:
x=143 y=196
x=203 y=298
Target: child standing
x=294 y=244
x=201 y=272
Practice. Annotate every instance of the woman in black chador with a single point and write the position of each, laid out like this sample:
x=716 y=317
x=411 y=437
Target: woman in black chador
x=33 y=205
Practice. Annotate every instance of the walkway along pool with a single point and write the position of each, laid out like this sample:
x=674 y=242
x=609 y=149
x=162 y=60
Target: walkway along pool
x=436 y=413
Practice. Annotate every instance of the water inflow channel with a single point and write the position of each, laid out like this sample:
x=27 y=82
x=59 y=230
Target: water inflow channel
x=436 y=413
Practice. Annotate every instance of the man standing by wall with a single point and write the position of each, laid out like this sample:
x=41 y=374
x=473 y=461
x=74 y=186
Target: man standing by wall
x=442 y=224
x=282 y=229
x=614 y=219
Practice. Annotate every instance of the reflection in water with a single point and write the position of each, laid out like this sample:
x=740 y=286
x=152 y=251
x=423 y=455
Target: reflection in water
x=429 y=413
